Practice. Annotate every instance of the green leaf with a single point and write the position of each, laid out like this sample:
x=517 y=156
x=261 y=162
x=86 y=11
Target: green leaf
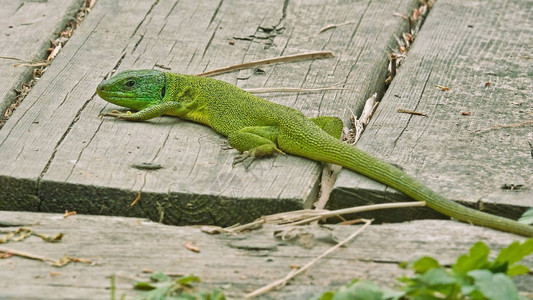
x=517 y=270
x=436 y=281
x=476 y=259
x=327 y=295
x=493 y=286
x=146 y=286
x=392 y=294
x=361 y=290
x=187 y=296
x=186 y=280
x=216 y=295
x=512 y=254
x=163 y=288
x=159 y=276
x=424 y=264
x=527 y=217
x=436 y=277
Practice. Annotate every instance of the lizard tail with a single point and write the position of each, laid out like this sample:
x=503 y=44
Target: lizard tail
x=365 y=164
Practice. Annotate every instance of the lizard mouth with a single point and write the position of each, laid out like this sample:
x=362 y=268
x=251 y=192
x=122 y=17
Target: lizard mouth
x=106 y=94
x=125 y=99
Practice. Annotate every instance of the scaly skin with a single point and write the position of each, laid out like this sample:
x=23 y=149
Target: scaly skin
x=257 y=128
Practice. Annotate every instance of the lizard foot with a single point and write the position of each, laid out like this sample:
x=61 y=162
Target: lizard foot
x=247 y=157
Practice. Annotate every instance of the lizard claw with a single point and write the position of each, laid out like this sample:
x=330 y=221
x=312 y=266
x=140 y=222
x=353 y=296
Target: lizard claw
x=225 y=146
x=245 y=158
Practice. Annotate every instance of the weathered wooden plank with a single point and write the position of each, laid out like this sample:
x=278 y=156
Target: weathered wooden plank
x=126 y=246
x=26 y=30
x=195 y=169
x=485 y=60
x=29 y=140
x=86 y=164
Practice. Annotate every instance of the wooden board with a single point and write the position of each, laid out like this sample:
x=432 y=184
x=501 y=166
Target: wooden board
x=80 y=162
x=26 y=28
x=235 y=264
x=485 y=60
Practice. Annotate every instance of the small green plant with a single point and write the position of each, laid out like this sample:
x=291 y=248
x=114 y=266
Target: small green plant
x=527 y=217
x=473 y=276
x=162 y=287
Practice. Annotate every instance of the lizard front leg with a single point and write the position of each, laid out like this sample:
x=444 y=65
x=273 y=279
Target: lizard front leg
x=254 y=142
x=150 y=112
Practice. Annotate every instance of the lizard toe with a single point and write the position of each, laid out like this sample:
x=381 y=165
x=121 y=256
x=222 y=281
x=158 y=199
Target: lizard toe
x=246 y=158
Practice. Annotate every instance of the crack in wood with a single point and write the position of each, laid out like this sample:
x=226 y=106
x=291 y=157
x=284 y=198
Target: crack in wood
x=170 y=12
x=144 y=18
x=136 y=44
x=217 y=9
x=60 y=141
x=211 y=39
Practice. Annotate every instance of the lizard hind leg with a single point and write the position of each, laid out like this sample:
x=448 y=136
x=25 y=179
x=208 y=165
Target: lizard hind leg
x=254 y=142
x=331 y=125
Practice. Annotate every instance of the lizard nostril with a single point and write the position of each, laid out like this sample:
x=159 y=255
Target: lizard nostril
x=100 y=87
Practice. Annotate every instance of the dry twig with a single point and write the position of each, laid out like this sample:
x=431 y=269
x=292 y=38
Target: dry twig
x=411 y=112
x=136 y=199
x=443 y=88
x=359 y=125
x=68 y=214
x=329 y=175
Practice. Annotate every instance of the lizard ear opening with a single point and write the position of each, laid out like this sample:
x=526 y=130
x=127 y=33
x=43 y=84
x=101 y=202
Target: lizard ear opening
x=163 y=92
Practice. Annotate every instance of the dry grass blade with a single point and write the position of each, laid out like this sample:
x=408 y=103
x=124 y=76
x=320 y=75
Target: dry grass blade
x=14 y=58
x=26 y=254
x=305 y=216
x=282 y=282
x=308 y=215
x=331 y=26
x=38 y=64
x=500 y=126
x=256 y=63
x=253 y=225
x=292 y=90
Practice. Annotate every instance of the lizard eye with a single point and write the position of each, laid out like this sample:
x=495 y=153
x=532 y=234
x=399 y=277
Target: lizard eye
x=163 y=92
x=130 y=83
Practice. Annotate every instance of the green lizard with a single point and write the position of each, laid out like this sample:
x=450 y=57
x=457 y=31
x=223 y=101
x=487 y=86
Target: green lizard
x=258 y=128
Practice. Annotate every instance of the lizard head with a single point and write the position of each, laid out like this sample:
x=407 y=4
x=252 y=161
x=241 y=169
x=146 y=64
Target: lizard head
x=134 y=89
